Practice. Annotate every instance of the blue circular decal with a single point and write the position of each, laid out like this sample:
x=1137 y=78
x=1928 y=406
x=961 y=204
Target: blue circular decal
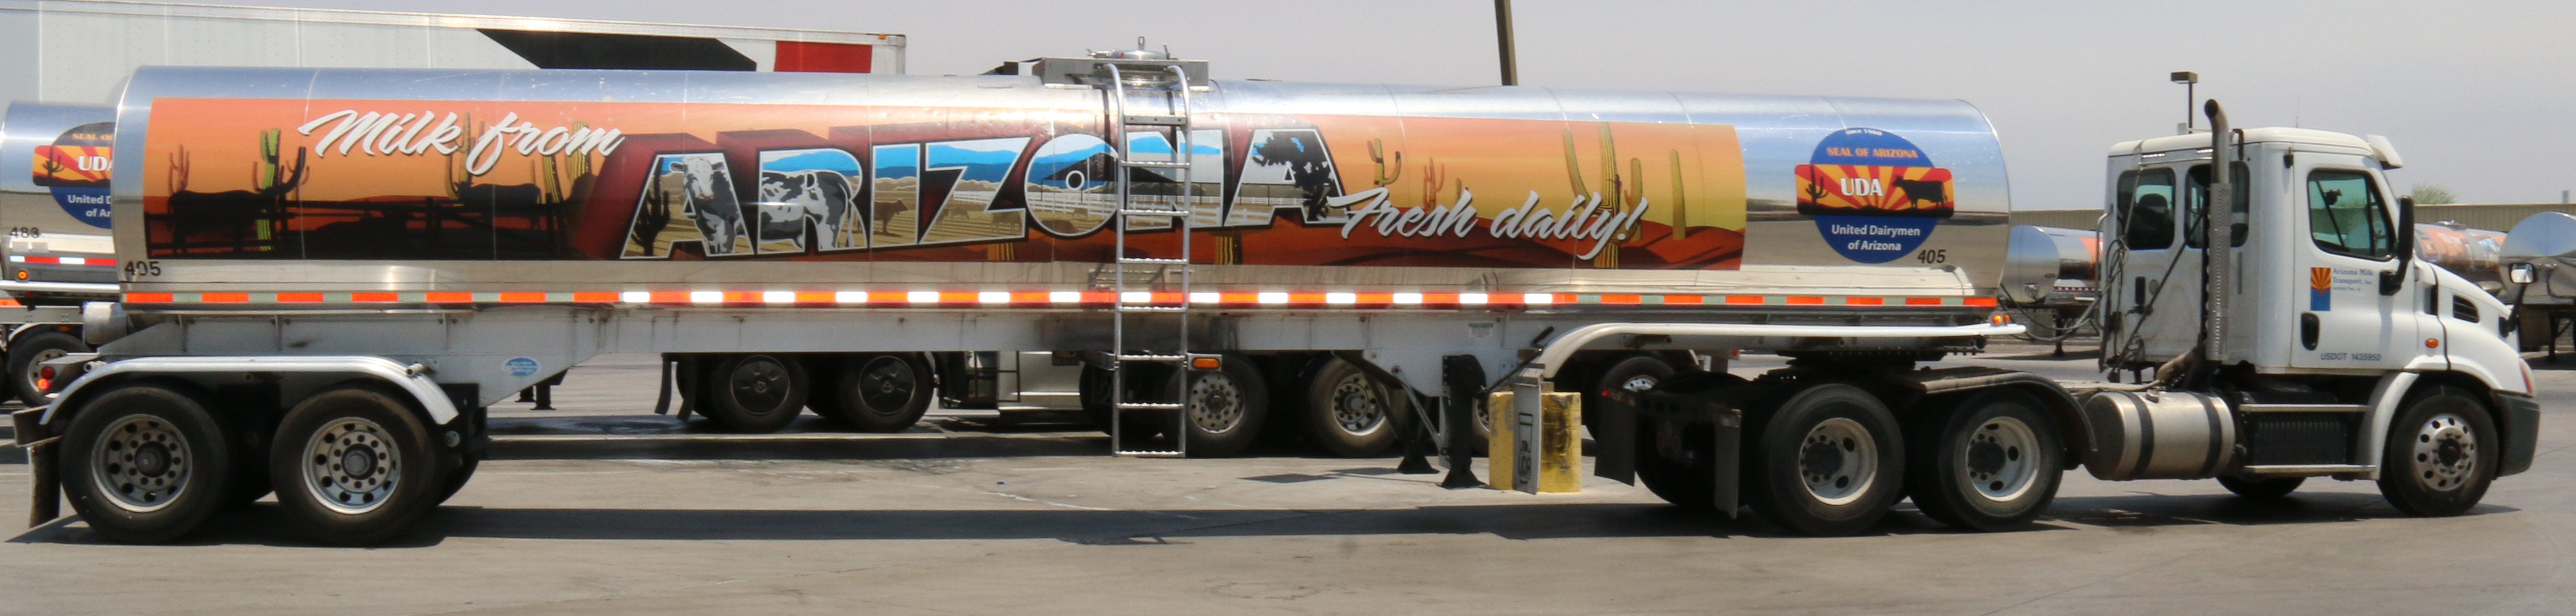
x=522 y=366
x=1874 y=196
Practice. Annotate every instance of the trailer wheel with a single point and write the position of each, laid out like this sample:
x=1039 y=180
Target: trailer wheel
x=30 y=352
x=880 y=393
x=1633 y=373
x=1225 y=408
x=2441 y=454
x=1350 y=413
x=1991 y=463
x=755 y=394
x=2266 y=488
x=1828 y=462
x=146 y=463
x=353 y=466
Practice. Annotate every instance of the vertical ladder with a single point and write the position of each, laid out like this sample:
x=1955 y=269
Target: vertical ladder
x=1175 y=304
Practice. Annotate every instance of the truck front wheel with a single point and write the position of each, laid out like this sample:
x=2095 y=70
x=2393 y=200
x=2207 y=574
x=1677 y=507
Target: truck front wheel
x=1828 y=462
x=1990 y=464
x=353 y=466
x=2441 y=454
x=147 y=463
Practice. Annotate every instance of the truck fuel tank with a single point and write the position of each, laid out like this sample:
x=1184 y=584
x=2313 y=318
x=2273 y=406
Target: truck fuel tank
x=2159 y=435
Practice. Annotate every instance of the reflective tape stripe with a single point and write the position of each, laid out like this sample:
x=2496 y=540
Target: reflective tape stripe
x=924 y=298
x=81 y=261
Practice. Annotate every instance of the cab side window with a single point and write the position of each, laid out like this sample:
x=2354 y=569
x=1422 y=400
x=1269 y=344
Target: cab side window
x=2145 y=206
x=2346 y=216
x=2196 y=198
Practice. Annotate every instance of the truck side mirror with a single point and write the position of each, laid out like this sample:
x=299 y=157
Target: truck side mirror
x=2392 y=280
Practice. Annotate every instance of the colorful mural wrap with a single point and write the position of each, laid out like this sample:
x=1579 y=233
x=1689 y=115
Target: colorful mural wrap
x=655 y=181
x=75 y=169
x=1875 y=197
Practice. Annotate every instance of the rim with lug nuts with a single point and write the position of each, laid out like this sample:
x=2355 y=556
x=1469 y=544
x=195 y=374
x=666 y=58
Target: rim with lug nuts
x=1838 y=461
x=1357 y=406
x=142 y=462
x=2446 y=454
x=1216 y=403
x=351 y=465
x=1999 y=459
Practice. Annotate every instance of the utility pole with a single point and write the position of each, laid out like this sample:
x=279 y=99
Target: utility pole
x=1503 y=39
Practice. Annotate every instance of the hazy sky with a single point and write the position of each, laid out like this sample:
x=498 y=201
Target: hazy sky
x=2474 y=94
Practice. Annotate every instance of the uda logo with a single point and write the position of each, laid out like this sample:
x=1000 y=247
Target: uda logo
x=1875 y=196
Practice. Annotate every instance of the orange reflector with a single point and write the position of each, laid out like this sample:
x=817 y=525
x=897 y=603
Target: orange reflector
x=1204 y=363
x=2431 y=343
x=2000 y=319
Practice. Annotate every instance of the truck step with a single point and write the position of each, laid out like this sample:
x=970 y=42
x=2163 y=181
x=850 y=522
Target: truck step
x=1151 y=357
x=1149 y=406
x=1153 y=260
x=1154 y=212
x=1156 y=164
x=2307 y=469
x=2303 y=408
x=1157 y=120
x=1148 y=308
x=1151 y=454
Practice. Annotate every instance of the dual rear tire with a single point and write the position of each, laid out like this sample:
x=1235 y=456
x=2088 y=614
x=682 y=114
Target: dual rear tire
x=1831 y=460
x=147 y=462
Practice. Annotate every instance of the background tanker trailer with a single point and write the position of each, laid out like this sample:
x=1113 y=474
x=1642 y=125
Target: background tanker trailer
x=55 y=157
x=1196 y=244
x=2539 y=278
x=2049 y=275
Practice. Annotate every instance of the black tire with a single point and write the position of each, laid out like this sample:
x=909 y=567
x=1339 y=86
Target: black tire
x=2441 y=454
x=754 y=394
x=1224 y=408
x=455 y=480
x=353 y=466
x=879 y=393
x=145 y=463
x=1634 y=372
x=2267 y=488
x=1991 y=463
x=34 y=349
x=1350 y=413
x=1846 y=437
x=1687 y=475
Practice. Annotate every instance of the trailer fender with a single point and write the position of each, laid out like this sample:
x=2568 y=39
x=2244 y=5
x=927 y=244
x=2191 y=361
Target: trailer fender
x=412 y=379
x=1555 y=354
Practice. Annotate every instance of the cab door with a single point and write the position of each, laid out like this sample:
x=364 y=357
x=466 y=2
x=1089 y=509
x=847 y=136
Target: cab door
x=2156 y=316
x=2357 y=310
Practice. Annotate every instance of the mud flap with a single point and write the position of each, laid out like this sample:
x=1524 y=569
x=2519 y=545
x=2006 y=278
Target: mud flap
x=45 y=478
x=1614 y=432
x=1729 y=453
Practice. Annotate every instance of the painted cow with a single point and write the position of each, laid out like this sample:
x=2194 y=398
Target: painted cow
x=707 y=189
x=791 y=201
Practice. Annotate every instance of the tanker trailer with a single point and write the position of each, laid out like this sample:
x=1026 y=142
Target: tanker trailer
x=452 y=237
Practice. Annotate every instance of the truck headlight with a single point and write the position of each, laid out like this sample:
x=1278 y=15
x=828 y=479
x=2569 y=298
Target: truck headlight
x=2519 y=273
